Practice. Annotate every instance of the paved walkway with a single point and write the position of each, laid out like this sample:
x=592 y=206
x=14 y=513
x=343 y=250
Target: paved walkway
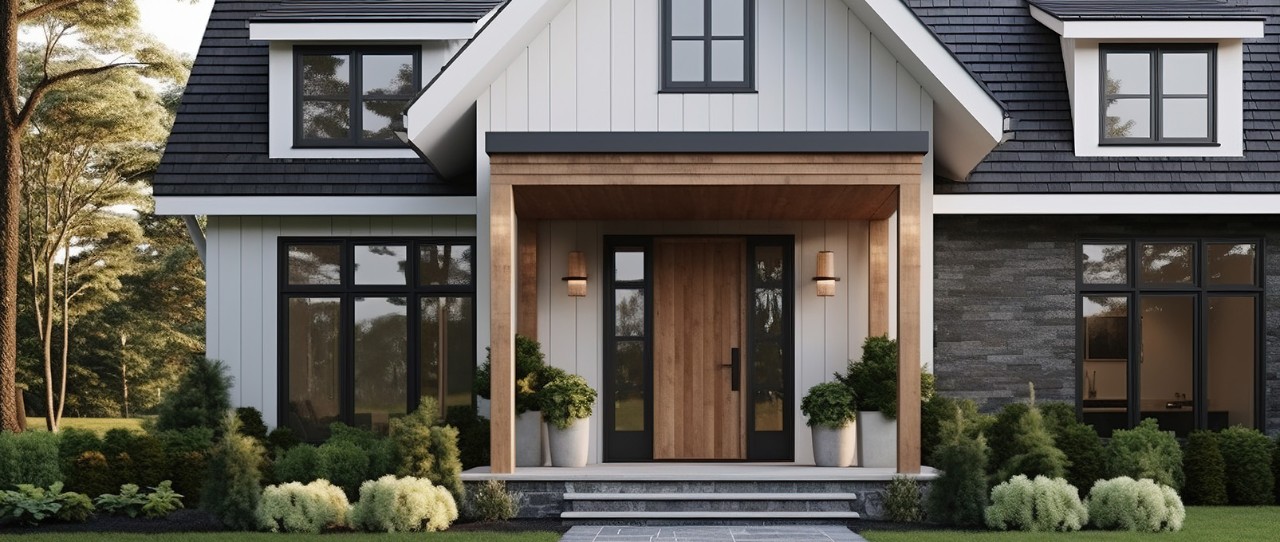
x=728 y=533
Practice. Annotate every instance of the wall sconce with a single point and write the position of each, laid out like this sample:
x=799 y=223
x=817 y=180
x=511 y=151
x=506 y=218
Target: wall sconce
x=826 y=278
x=577 y=278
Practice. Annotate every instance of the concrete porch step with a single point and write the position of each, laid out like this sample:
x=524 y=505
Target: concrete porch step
x=710 y=514
x=710 y=496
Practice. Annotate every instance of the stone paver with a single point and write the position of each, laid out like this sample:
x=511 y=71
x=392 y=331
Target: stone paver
x=727 y=533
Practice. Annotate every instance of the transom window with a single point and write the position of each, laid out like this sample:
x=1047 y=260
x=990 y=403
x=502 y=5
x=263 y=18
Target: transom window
x=1158 y=94
x=708 y=45
x=353 y=97
x=369 y=328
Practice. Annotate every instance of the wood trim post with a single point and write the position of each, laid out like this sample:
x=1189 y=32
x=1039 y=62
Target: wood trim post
x=878 y=275
x=502 y=402
x=527 y=298
x=909 y=329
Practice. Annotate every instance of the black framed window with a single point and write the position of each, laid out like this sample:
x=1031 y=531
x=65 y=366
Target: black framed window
x=1158 y=94
x=1170 y=329
x=708 y=45
x=370 y=327
x=353 y=96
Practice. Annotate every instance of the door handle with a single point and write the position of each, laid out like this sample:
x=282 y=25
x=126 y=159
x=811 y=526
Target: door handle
x=735 y=368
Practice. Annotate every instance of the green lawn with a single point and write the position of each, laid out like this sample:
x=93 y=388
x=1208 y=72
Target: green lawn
x=268 y=537
x=1207 y=524
x=100 y=425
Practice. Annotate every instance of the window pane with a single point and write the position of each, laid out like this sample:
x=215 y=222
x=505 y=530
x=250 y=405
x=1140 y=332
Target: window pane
x=628 y=266
x=323 y=119
x=767 y=387
x=1232 y=358
x=387 y=74
x=628 y=387
x=1167 y=348
x=687 y=18
x=1128 y=73
x=1232 y=263
x=315 y=264
x=766 y=317
x=727 y=17
x=726 y=60
x=1167 y=263
x=1185 y=117
x=326 y=75
x=381 y=264
x=1184 y=73
x=629 y=315
x=444 y=264
x=1105 y=264
x=445 y=334
x=768 y=265
x=686 y=61
x=1105 y=367
x=381 y=119
x=381 y=361
x=1128 y=117
x=313 y=346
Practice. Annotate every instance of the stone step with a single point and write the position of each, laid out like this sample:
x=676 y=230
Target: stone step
x=580 y=496
x=710 y=515
x=709 y=506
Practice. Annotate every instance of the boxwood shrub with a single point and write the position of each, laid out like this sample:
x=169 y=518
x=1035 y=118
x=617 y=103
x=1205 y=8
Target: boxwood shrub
x=1247 y=454
x=29 y=458
x=1206 y=471
x=1146 y=452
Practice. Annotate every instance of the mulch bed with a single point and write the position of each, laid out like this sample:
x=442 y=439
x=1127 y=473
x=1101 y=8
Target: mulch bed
x=199 y=521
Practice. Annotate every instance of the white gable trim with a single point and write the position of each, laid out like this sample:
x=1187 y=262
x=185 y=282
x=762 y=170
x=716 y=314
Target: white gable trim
x=362 y=31
x=1105 y=204
x=1149 y=30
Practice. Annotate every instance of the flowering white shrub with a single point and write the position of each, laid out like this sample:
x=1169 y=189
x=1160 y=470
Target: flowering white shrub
x=297 y=508
x=391 y=505
x=1135 y=505
x=1043 y=504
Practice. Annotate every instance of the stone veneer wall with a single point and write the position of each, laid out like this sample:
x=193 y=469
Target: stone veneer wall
x=1005 y=299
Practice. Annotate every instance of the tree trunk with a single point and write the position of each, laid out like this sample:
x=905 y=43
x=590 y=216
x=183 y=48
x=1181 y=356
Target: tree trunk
x=10 y=211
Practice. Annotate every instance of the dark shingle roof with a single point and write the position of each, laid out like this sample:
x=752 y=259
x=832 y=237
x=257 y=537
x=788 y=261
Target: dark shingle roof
x=1161 y=10
x=1021 y=62
x=219 y=141
x=434 y=11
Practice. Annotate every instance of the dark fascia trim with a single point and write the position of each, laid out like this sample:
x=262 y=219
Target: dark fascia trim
x=705 y=142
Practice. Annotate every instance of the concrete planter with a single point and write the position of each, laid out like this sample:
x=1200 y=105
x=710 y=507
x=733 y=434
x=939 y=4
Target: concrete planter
x=834 y=447
x=569 y=447
x=529 y=439
x=877 y=440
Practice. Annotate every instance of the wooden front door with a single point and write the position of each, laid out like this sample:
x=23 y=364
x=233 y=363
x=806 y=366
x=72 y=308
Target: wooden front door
x=698 y=330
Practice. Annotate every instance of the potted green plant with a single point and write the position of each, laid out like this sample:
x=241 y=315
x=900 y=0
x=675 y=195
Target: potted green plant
x=567 y=403
x=531 y=372
x=873 y=380
x=830 y=409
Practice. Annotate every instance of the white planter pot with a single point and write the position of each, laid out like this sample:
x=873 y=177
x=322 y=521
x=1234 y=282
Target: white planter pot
x=834 y=447
x=569 y=447
x=877 y=440
x=529 y=439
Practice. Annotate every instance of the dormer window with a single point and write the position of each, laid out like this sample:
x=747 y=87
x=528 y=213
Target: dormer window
x=1157 y=95
x=353 y=96
x=708 y=45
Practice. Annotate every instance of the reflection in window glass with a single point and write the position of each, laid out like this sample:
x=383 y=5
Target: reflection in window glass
x=1105 y=367
x=629 y=315
x=1167 y=263
x=628 y=386
x=1232 y=264
x=767 y=373
x=1105 y=263
x=380 y=361
x=444 y=264
x=381 y=264
x=768 y=265
x=326 y=119
x=1128 y=117
x=382 y=118
x=628 y=266
x=1128 y=73
x=1232 y=351
x=326 y=75
x=767 y=317
x=315 y=264
x=387 y=74
x=314 y=326
x=445 y=334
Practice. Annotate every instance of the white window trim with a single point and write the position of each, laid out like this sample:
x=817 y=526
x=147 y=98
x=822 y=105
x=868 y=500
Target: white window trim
x=362 y=31
x=1173 y=30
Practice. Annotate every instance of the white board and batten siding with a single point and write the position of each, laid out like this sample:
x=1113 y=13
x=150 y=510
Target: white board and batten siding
x=242 y=298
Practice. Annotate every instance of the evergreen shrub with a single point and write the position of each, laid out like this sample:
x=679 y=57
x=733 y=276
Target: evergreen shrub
x=1205 y=471
x=1146 y=452
x=1042 y=504
x=473 y=435
x=490 y=501
x=234 y=485
x=298 y=464
x=29 y=458
x=296 y=508
x=1125 y=504
x=1247 y=455
x=201 y=398
x=394 y=505
x=902 y=500
x=959 y=495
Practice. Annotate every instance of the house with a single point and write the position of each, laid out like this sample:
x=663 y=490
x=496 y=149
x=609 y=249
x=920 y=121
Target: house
x=1076 y=194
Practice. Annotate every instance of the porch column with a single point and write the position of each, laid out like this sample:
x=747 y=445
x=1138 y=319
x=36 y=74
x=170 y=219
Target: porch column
x=908 y=328
x=502 y=402
x=527 y=299
x=878 y=273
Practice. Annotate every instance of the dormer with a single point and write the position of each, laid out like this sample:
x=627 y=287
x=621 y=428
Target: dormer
x=1154 y=78
x=343 y=72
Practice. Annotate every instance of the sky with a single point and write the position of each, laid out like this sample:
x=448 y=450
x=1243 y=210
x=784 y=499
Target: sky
x=177 y=23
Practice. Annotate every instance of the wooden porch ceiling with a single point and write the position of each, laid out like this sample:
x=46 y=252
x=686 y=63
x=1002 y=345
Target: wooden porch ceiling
x=751 y=202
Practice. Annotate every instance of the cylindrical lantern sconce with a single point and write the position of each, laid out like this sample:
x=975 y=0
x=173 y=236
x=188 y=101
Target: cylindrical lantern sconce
x=577 y=278
x=826 y=278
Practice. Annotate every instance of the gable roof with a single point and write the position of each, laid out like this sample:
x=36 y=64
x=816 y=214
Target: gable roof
x=371 y=11
x=1150 y=10
x=218 y=146
x=1021 y=61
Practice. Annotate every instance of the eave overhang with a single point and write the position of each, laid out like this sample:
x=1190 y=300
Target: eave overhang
x=1122 y=26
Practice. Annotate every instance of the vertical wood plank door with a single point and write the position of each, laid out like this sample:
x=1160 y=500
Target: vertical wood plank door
x=698 y=320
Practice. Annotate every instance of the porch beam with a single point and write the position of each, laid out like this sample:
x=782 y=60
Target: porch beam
x=709 y=169
x=527 y=299
x=878 y=278
x=502 y=412
x=909 y=329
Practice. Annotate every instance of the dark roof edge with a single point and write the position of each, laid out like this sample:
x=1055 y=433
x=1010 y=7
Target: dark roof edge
x=981 y=84
x=706 y=142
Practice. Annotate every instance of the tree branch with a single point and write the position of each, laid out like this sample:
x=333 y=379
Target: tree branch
x=29 y=108
x=46 y=8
